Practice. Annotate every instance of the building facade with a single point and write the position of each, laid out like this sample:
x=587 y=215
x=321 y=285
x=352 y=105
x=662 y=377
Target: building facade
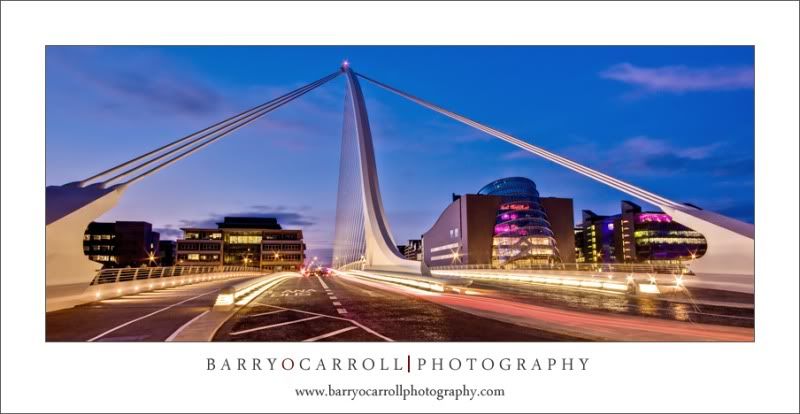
x=561 y=216
x=634 y=236
x=463 y=233
x=522 y=232
x=121 y=244
x=166 y=252
x=413 y=250
x=243 y=241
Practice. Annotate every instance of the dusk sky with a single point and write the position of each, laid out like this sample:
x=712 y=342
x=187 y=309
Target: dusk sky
x=677 y=121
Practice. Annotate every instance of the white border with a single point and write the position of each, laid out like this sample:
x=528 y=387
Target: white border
x=761 y=376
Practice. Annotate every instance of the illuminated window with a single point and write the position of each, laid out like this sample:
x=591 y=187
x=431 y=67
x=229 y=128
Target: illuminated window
x=244 y=239
x=193 y=256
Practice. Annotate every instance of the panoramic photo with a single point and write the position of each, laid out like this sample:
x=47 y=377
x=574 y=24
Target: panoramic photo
x=387 y=193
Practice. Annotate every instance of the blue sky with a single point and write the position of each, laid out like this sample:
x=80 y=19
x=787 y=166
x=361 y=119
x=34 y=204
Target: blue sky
x=677 y=121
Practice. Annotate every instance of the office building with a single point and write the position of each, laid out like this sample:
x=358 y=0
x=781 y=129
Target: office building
x=634 y=236
x=463 y=233
x=413 y=250
x=121 y=244
x=243 y=241
x=166 y=252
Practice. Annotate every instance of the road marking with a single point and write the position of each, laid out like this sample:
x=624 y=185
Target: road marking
x=360 y=325
x=337 y=304
x=333 y=297
x=321 y=282
x=330 y=334
x=148 y=315
x=174 y=334
x=297 y=292
x=341 y=311
x=273 y=326
x=264 y=313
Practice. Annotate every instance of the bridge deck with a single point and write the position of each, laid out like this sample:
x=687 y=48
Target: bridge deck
x=148 y=316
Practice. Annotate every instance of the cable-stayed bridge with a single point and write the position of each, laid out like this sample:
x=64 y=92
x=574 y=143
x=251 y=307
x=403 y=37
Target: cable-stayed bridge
x=365 y=252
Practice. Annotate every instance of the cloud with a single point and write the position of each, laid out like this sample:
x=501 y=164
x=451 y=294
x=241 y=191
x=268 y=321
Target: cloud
x=643 y=155
x=149 y=83
x=681 y=79
x=516 y=155
x=169 y=233
x=284 y=215
x=161 y=92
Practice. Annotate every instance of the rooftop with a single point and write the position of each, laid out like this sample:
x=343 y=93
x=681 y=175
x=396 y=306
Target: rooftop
x=269 y=223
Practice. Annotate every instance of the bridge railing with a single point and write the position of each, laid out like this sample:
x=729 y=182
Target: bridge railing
x=581 y=267
x=357 y=265
x=131 y=274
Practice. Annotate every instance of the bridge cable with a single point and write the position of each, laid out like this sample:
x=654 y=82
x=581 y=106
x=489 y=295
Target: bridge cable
x=215 y=133
x=596 y=175
x=221 y=124
x=283 y=100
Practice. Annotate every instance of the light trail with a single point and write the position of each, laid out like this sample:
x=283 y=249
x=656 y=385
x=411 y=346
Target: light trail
x=573 y=323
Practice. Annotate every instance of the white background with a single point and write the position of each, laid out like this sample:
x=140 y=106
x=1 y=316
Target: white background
x=760 y=376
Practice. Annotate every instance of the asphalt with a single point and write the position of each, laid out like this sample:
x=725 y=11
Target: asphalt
x=684 y=307
x=338 y=309
x=356 y=309
x=126 y=318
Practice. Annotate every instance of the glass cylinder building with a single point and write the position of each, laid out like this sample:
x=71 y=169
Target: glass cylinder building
x=522 y=233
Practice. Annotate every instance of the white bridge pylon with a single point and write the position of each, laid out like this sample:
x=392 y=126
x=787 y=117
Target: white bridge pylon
x=379 y=249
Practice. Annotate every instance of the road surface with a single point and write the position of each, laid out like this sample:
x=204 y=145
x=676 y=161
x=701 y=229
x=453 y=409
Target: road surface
x=345 y=307
x=340 y=309
x=147 y=316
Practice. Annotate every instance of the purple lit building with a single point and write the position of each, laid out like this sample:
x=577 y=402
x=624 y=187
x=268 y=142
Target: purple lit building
x=635 y=236
x=506 y=223
x=523 y=234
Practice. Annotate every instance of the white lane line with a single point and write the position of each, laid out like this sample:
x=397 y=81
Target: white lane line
x=264 y=313
x=330 y=334
x=174 y=334
x=360 y=325
x=321 y=282
x=149 y=315
x=337 y=304
x=273 y=326
x=341 y=311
